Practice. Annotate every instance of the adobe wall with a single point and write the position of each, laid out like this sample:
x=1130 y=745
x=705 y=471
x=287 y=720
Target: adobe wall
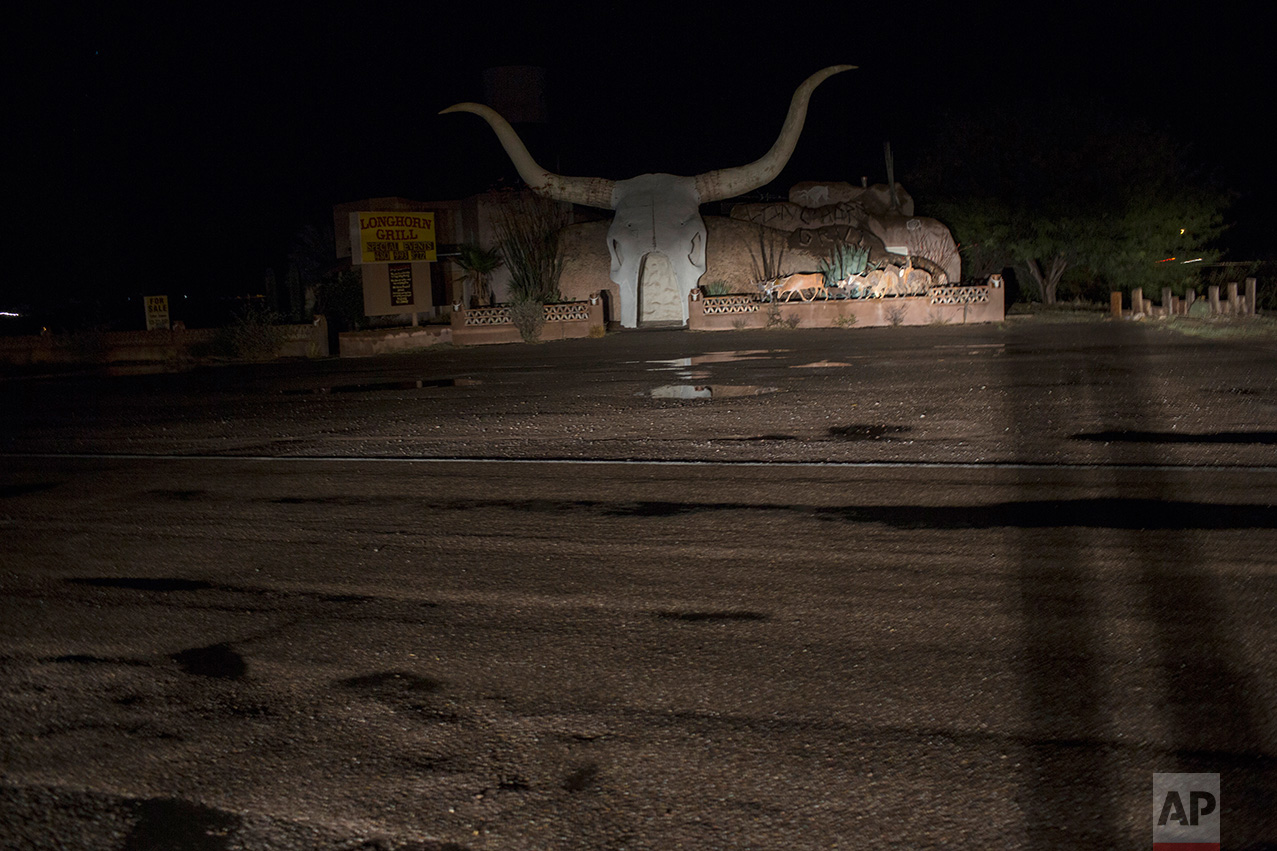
x=380 y=341
x=307 y=341
x=564 y=321
x=941 y=306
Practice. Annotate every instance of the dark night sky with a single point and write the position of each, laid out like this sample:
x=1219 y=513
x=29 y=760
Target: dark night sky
x=160 y=149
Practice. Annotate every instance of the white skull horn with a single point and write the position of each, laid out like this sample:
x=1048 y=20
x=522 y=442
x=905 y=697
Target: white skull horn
x=730 y=182
x=589 y=191
x=710 y=186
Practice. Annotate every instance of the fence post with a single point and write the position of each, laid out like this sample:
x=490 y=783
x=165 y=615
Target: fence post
x=1252 y=306
x=1213 y=294
x=1137 y=301
x=1168 y=305
x=1115 y=304
x=319 y=336
x=1234 y=306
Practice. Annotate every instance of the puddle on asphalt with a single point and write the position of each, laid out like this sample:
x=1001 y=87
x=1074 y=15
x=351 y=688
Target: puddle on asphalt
x=406 y=384
x=126 y=369
x=708 y=391
x=977 y=348
x=714 y=357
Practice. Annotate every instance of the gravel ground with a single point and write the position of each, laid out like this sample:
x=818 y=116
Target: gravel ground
x=916 y=588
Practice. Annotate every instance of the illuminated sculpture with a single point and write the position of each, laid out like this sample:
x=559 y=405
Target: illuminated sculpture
x=657 y=220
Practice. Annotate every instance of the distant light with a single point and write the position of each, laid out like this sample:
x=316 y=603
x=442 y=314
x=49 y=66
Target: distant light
x=1181 y=231
x=7 y=313
x=1167 y=260
x=1195 y=260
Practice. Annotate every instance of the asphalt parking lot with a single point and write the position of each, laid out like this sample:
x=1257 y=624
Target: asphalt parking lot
x=912 y=587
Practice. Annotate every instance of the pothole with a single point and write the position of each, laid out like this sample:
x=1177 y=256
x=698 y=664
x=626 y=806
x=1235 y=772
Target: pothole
x=142 y=583
x=708 y=391
x=1266 y=438
x=216 y=660
x=866 y=431
x=712 y=616
x=372 y=387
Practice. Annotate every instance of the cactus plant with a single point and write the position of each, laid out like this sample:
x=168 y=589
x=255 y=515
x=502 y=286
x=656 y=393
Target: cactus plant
x=844 y=262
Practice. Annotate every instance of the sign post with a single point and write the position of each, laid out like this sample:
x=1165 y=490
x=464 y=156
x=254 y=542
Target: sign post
x=391 y=243
x=156 y=312
x=392 y=237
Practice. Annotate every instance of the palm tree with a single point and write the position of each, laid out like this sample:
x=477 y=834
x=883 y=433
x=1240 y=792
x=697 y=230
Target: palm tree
x=479 y=264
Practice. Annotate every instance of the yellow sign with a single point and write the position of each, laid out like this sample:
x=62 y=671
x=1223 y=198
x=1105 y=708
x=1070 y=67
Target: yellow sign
x=156 y=312
x=394 y=237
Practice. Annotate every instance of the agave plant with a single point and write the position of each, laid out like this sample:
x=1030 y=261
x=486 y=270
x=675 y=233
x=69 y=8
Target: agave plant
x=844 y=263
x=479 y=264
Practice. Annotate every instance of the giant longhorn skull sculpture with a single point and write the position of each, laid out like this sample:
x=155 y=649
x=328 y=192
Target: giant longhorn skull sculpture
x=656 y=213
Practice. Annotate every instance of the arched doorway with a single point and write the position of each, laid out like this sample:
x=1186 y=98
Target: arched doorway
x=659 y=301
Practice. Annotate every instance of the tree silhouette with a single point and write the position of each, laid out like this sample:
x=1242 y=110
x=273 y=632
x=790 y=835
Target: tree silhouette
x=1059 y=186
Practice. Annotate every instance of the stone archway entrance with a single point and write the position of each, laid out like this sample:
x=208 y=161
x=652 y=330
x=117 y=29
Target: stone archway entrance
x=659 y=301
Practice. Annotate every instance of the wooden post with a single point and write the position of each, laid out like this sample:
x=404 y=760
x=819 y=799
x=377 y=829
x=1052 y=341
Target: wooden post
x=1168 y=308
x=1234 y=306
x=1137 y=302
x=1251 y=307
x=1213 y=294
x=1115 y=304
x=1190 y=296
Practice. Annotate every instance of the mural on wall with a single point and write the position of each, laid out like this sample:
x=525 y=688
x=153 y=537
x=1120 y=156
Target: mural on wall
x=657 y=214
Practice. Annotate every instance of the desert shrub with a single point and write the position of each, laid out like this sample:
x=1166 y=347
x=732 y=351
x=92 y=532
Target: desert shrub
x=339 y=296
x=770 y=258
x=528 y=228
x=88 y=345
x=255 y=334
x=528 y=315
